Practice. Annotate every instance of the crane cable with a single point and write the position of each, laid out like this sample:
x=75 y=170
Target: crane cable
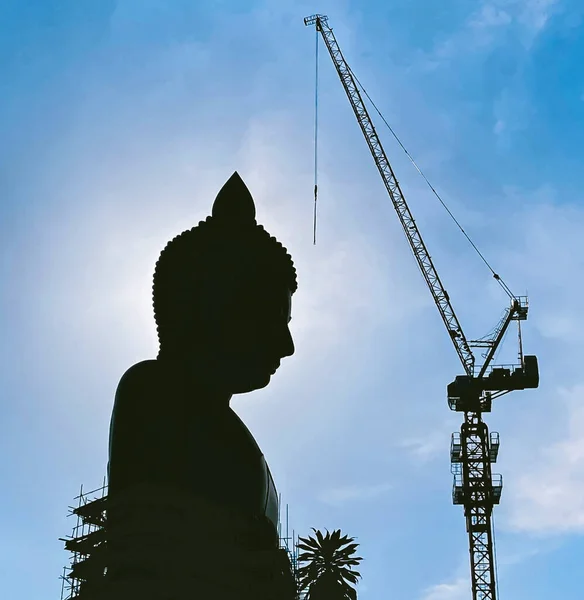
x=495 y=275
x=315 y=137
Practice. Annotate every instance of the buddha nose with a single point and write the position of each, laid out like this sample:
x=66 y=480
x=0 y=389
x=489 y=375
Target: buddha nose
x=286 y=343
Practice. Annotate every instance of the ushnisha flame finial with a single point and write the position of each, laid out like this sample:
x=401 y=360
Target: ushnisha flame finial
x=234 y=205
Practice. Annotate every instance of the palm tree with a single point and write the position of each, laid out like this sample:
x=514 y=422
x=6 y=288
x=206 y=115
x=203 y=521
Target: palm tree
x=328 y=573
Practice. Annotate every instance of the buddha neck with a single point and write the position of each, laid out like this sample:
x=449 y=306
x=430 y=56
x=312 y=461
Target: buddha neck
x=193 y=378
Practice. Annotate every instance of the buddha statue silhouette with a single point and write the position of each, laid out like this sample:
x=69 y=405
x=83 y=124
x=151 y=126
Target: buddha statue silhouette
x=192 y=503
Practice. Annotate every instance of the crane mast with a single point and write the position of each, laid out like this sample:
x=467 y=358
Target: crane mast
x=473 y=450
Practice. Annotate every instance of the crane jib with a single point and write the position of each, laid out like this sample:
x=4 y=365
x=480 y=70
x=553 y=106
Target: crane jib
x=405 y=216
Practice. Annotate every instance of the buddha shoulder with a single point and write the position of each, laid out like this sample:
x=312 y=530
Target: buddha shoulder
x=142 y=382
x=151 y=387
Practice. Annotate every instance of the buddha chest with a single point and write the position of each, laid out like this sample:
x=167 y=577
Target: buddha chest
x=158 y=435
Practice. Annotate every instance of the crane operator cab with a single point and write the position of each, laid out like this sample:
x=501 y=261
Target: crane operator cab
x=465 y=392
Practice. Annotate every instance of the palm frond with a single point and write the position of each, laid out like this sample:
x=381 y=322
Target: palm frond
x=327 y=565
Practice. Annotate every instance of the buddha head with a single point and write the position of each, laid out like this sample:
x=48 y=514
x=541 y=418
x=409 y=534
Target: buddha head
x=222 y=296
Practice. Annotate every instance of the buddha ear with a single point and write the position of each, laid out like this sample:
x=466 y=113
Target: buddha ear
x=214 y=306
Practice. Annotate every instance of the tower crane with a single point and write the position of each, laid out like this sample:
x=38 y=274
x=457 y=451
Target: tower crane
x=474 y=449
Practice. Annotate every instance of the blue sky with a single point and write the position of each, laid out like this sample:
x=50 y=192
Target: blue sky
x=121 y=120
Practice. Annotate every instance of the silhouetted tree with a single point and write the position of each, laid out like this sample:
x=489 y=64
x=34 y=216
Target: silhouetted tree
x=328 y=573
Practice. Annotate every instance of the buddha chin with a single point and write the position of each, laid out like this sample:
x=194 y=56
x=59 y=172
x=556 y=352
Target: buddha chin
x=246 y=378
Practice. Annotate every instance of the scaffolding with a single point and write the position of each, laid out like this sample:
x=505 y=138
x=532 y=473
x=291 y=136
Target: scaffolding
x=88 y=565
x=85 y=543
x=289 y=543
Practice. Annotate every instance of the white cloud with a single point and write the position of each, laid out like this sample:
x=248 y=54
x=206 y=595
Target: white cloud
x=484 y=27
x=544 y=478
x=547 y=254
x=549 y=497
x=535 y=14
x=459 y=589
x=429 y=446
x=342 y=495
x=531 y=15
x=489 y=15
x=524 y=550
x=512 y=110
x=514 y=552
x=499 y=127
